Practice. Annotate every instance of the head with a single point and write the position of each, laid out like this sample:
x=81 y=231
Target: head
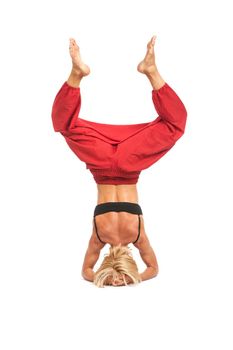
x=118 y=263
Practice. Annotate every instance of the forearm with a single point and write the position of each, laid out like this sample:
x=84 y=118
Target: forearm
x=149 y=273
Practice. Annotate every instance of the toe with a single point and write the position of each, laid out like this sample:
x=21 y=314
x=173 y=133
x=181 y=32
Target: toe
x=72 y=41
x=153 y=40
x=150 y=45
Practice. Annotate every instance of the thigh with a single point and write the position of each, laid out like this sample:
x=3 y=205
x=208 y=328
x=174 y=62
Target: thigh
x=145 y=147
x=93 y=151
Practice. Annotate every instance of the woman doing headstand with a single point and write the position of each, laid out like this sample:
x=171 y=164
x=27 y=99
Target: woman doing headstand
x=115 y=155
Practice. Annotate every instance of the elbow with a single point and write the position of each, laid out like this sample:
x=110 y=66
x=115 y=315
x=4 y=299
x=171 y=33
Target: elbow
x=84 y=274
x=155 y=271
x=88 y=274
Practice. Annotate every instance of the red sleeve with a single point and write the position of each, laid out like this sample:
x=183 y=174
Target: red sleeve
x=66 y=107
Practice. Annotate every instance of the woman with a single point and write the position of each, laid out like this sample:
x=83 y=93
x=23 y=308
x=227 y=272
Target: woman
x=115 y=155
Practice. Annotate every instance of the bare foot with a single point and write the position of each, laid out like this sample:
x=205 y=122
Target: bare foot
x=147 y=65
x=78 y=65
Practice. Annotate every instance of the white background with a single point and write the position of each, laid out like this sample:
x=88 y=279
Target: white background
x=48 y=196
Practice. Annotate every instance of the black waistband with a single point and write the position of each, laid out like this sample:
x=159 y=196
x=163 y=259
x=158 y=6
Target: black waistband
x=129 y=207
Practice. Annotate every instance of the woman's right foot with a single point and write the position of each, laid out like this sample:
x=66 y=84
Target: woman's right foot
x=78 y=66
x=147 y=65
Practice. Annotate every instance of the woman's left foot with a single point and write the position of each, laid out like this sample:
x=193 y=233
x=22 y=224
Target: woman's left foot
x=79 y=66
x=147 y=65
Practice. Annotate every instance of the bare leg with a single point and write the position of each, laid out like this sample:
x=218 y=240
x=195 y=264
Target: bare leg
x=79 y=68
x=148 y=66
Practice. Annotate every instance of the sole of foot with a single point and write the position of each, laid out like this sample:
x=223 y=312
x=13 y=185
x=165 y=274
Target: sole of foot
x=79 y=66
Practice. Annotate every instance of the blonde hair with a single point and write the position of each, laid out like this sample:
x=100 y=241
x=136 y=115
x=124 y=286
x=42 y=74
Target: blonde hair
x=118 y=261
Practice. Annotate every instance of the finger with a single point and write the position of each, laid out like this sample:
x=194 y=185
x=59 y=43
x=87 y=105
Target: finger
x=116 y=282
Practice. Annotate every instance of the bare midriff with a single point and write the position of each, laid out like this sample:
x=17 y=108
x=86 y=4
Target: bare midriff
x=117 y=227
x=117 y=193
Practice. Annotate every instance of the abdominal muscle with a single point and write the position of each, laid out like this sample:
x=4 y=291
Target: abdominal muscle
x=117 y=227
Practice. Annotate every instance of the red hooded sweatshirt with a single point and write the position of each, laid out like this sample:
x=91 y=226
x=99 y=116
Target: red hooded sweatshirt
x=116 y=154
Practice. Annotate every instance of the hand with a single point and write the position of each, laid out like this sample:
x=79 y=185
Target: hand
x=118 y=280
